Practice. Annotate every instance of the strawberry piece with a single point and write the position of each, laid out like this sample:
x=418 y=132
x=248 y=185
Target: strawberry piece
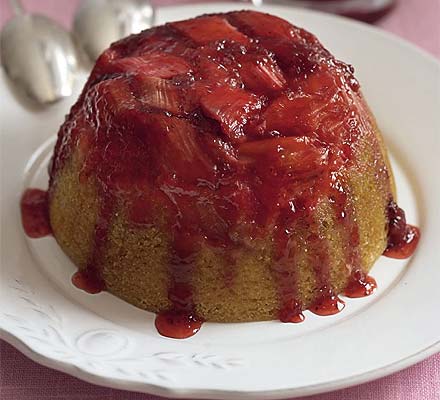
x=232 y=108
x=208 y=29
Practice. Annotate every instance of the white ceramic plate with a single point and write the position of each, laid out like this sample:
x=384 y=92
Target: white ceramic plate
x=105 y=341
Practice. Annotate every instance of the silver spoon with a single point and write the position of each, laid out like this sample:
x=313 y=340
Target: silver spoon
x=98 y=23
x=38 y=56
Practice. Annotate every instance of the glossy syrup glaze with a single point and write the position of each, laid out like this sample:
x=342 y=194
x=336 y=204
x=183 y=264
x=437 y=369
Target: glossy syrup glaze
x=233 y=128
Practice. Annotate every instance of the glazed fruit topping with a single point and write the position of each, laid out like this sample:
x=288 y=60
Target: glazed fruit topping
x=232 y=108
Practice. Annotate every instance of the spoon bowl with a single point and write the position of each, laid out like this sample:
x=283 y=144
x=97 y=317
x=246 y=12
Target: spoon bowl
x=98 y=23
x=39 y=57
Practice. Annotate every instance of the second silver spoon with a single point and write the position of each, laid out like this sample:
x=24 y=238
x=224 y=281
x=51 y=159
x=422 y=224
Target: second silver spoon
x=98 y=23
x=38 y=56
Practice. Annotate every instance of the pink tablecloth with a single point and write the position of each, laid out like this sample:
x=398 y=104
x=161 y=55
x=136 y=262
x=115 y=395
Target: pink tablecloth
x=21 y=379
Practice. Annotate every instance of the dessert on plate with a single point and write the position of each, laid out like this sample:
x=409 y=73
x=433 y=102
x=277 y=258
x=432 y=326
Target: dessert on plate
x=223 y=168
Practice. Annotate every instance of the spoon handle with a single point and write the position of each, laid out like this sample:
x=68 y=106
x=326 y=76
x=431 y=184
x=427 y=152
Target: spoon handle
x=17 y=7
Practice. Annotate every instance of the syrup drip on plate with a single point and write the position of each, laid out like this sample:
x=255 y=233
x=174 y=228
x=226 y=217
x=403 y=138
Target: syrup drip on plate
x=402 y=237
x=291 y=312
x=87 y=281
x=177 y=324
x=35 y=213
x=327 y=303
x=360 y=285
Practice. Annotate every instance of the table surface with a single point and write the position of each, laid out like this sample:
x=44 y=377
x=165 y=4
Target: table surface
x=21 y=379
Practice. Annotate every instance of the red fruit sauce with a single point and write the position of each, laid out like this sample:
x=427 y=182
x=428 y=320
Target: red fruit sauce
x=402 y=238
x=291 y=312
x=327 y=303
x=360 y=285
x=35 y=213
x=87 y=281
x=219 y=143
